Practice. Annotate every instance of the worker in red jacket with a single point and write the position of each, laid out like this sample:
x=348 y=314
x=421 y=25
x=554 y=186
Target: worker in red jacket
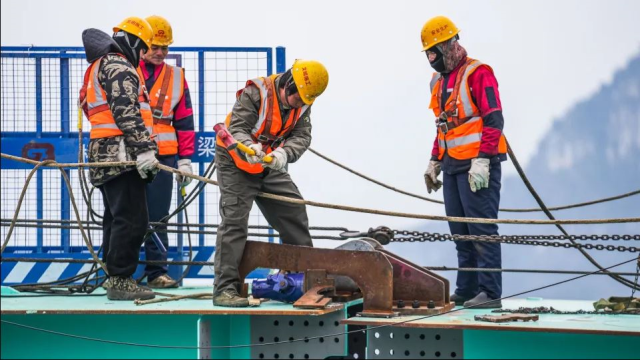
x=173 y=131
x=468 y=149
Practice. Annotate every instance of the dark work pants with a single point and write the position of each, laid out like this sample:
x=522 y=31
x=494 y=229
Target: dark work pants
x=159 y=194
x=238 y=191
x=460 y=201
x=125 y=222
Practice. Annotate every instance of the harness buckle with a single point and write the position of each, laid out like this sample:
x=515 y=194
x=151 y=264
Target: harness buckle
x=277 y=142
x=157 y=113
x=442 y=122
x=443 y=126
x=262 y=139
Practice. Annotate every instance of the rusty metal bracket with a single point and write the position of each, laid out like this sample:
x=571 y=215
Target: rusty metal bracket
x=371 y=271
x=319 y=290
x=390 y=285
x=416 y=291
x=422 y=291
x=315 y=298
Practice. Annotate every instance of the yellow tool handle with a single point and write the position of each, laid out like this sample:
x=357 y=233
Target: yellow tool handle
x=79 y=118
x=249 y=151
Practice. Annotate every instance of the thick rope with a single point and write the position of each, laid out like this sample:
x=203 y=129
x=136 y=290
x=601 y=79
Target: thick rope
x=352 y=208
x=71 y=197
x=571 y=206
x=538 y=199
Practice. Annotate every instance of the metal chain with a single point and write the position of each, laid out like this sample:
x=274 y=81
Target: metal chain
x=429 y=235
x=417 y=236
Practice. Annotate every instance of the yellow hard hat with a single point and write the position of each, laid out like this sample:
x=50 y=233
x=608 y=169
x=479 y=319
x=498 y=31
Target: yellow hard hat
x=138 y=27
x=437 y=30
x=162 y=32
x=311 y=79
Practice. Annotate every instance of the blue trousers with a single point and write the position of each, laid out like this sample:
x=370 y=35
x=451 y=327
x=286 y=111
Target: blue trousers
x=159 y=193
x=460 y=201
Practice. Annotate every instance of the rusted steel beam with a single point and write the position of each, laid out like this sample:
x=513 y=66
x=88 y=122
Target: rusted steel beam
x=372 y=271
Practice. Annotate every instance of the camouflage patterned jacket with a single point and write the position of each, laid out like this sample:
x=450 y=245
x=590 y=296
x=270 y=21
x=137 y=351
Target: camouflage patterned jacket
x=120 y=81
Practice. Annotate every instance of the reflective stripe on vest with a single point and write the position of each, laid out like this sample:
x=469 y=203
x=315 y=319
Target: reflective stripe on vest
x=97 y=110
x=464 y=140
x=262 y=115
x=268 y=114
x=434 y=80
x=163 y=109
x=467 y=103
x=166 y=137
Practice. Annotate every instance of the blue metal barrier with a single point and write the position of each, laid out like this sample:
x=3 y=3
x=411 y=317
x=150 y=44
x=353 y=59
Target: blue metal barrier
x=39 y=91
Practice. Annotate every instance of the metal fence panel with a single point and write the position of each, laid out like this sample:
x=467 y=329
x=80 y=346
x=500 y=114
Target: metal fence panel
x=39 y=120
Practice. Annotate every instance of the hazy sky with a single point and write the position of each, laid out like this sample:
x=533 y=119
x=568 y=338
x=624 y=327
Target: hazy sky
x=374 y=116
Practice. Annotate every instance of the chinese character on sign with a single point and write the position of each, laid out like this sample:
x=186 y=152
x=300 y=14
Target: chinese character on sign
x=84 y=152
x=207 y=146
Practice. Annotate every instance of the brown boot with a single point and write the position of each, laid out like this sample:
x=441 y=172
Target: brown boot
x=163 y=281
x=230 y=298
x=119 y=288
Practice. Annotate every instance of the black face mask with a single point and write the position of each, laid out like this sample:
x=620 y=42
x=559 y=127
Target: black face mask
x=438 y=63
x=287 y=83
x=130 y=45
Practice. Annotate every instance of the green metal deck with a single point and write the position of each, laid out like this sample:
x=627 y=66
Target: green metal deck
x=610 y=324
x=197 y=323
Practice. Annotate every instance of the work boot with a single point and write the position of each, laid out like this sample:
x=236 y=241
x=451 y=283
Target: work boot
x=119 y=288
x=230 y=298
x=163 y=281
x=459 y=300
x=483 y=298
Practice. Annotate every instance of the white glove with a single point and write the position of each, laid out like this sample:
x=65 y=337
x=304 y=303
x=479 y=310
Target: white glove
x=279 y=160
x=479 y=174
x=259 y=154
x=184 y=165
x=146 y=163
x=431 y=176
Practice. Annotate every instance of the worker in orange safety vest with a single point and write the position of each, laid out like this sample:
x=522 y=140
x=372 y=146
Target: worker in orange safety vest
x=468 y=149
x=173 y=131
x=272 y=117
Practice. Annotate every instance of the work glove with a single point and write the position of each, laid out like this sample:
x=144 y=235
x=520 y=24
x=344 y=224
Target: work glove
x=184 y=165
x=259 y=154
x=279 y=160
x=431 y=176
x=479 y=174
x=146 y=163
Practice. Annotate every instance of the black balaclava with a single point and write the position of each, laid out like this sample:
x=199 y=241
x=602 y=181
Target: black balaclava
x=287 y=83
x=438 y=63
x=130 y=45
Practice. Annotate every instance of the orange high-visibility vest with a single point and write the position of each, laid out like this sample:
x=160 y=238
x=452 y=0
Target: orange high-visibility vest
x=460 y=135
x=271 y=129
x=163 y=98
x=94 y=103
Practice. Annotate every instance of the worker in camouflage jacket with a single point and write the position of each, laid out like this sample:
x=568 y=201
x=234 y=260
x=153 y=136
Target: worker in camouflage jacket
x=114 y=100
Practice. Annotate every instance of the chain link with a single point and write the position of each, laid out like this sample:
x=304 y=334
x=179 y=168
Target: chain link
x=534 y=240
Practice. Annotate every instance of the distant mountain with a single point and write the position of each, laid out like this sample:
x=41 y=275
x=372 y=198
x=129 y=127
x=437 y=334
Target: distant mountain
x=591 y=152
